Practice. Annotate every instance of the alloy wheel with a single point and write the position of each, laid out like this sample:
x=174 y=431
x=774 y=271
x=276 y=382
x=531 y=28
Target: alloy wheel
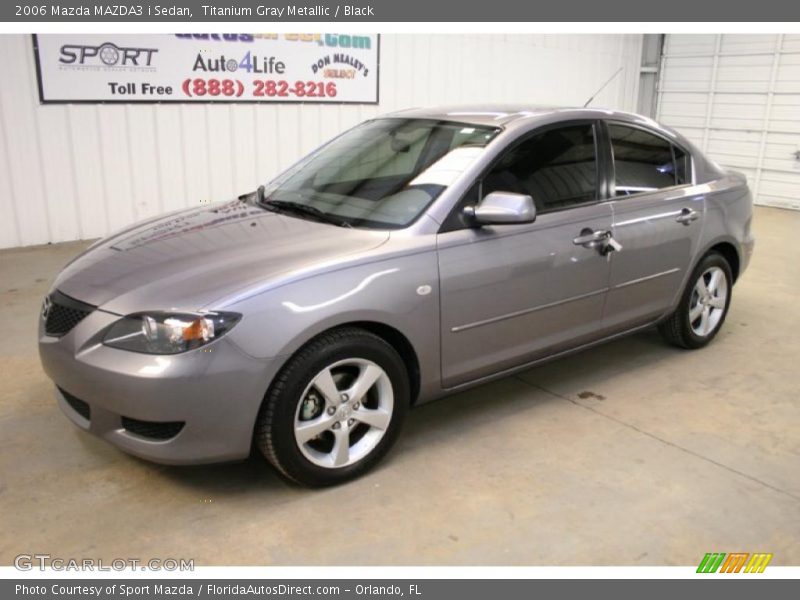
x=708 y=301
x=344 y=413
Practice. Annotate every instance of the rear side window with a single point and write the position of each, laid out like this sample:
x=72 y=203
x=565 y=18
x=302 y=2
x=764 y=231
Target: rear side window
x=557 y=168
x=644 y=162
x=682 y=167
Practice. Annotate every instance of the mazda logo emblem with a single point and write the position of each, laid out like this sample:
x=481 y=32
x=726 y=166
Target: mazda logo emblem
x=47 y=305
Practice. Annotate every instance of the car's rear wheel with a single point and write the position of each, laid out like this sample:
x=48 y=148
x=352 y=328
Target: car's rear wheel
x=703 y=306
x=335 y=408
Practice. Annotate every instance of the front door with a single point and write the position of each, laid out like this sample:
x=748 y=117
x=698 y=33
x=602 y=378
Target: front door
x=513 y=293
x=658 y=218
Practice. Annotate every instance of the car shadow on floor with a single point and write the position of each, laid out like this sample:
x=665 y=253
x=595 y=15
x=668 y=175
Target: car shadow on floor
x=465 y=413
x=475 y=407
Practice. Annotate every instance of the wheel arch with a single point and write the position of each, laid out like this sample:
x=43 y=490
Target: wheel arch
x=388 y=333
x=391 y=335
x=725 y=246
x=397 y=340
x=729 y=253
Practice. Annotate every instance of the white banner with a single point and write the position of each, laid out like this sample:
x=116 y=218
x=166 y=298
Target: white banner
x=231 y=67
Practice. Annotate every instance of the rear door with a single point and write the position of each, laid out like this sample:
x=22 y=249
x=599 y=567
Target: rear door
x=658 y=218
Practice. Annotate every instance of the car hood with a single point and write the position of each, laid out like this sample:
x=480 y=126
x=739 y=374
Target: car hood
x=193 y=258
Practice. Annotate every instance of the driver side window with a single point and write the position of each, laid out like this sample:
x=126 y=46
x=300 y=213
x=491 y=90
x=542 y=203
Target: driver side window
x=557 y=168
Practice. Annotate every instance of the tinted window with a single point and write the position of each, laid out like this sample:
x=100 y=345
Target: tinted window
x=644 y=162
x=556 y=168
x=682 y=167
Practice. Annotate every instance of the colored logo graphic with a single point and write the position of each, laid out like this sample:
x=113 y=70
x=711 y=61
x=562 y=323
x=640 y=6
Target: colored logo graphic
x=734 y=562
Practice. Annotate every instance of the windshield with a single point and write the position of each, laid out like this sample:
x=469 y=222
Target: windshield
x=381 y=174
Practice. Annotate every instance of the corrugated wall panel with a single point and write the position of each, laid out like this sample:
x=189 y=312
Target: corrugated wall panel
x=81 y=171
x=170 y=156
x=85 y=158
x=9 y=224
x=738 y=97
x=20 y=116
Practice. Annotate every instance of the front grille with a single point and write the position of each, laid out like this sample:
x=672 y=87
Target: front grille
x=151 y=429
x=78 y=405
x=63 y=313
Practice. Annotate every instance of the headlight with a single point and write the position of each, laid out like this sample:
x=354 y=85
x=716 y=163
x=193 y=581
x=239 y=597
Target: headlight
x=168 y=333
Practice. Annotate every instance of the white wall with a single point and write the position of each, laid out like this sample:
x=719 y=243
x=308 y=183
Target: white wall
x=82 y=171
x=738 y=98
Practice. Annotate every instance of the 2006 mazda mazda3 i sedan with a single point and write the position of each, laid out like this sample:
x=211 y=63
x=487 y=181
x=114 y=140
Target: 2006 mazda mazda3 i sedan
x=410 y=257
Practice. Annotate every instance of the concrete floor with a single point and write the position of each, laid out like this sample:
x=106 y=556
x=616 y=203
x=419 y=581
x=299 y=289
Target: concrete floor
x=634 y=453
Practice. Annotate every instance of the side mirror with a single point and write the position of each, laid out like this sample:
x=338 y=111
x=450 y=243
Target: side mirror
x=503 y=208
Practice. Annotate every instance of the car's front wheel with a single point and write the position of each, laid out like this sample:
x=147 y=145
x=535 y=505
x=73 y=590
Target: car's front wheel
x=703 y=306
x=335 y=408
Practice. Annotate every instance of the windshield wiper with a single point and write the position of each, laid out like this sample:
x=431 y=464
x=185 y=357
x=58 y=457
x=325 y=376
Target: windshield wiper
x=305 y=209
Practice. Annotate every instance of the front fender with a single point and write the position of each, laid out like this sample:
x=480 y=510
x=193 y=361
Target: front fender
x=401 y=292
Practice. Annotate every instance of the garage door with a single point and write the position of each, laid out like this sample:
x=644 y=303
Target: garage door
x=738 y=98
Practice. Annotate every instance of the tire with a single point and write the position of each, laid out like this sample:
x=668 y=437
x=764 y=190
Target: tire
x=699 y=317
x=302 y=427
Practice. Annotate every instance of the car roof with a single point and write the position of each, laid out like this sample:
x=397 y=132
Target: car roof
x=526 y=117
x=499 y=115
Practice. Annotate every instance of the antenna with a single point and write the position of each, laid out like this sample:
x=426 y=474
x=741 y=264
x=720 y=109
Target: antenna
x=602 y=87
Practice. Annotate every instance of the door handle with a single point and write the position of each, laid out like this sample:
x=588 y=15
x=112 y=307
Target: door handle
x=602 y=241
x=687 y=216
x=591 y=239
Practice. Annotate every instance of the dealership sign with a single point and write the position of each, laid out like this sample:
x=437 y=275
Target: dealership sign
x=236 y=67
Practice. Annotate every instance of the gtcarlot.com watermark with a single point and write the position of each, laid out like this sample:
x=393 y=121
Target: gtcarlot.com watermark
x=30 y=562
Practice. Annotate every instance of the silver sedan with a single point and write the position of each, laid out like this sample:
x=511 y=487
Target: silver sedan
x=411 y=257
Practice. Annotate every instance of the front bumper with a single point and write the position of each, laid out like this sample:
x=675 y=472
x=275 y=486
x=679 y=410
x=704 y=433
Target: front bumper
x=214 y=393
